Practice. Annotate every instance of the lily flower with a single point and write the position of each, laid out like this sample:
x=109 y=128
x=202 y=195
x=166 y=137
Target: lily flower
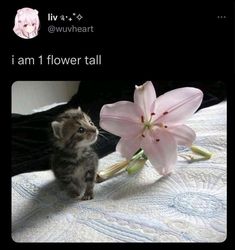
x=155 y=125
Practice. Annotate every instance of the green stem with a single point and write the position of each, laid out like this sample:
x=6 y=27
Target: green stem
x=137 y=162
x=135 y=165
x=109 y=172
x=138 y=154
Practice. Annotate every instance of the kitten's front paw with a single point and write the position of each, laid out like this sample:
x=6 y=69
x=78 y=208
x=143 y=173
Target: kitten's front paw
x=87 y=197
x=74 y=194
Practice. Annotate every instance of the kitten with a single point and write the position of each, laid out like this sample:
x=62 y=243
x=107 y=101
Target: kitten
x=74 y=162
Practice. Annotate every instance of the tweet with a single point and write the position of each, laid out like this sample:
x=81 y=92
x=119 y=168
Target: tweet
x=118 y=122
x=52 y=60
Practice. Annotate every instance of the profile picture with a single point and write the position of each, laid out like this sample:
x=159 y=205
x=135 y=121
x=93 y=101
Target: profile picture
x=26 y=23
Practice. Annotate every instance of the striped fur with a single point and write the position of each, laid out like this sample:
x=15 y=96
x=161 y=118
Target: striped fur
x=74 y=162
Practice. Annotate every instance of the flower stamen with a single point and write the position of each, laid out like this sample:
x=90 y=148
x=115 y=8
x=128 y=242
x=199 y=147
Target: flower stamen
x=151 y=116
x=142 y=119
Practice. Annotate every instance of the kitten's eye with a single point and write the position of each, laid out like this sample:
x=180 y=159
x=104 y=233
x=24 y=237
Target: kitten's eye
x=92 y=124
x=81 y=130
x=25 y=25
x=33 y=24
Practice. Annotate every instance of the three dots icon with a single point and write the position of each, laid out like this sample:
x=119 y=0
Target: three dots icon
x=221 y=17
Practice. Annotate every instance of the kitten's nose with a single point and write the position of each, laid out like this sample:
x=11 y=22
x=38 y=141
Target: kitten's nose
x=92 y=133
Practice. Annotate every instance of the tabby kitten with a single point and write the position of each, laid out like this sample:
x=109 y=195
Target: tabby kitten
x=74 y=162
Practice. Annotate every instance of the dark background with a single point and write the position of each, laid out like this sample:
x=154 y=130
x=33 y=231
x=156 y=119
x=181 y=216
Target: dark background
x=145 y=41
x=165 y=40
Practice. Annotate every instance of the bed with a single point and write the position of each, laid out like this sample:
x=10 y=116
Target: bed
x=187 y=206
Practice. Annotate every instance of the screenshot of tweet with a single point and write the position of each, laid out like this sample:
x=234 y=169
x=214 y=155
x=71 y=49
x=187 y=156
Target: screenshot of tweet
x=118 y=120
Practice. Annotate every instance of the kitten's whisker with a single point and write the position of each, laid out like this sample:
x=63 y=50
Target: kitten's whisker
x=103 y=136
x=103 y=131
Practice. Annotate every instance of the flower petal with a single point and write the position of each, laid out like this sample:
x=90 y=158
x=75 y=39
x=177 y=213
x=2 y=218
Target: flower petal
x=127 y=148
x=161 y=150
x=121 y=118
x=177 y=105
x=183 y=134
x=144 y=96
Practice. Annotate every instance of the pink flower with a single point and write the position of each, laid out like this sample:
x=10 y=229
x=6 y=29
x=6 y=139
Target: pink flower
x=153 y=124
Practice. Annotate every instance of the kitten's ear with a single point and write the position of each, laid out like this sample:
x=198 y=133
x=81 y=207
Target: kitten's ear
x=56 y=126
x=79 y=109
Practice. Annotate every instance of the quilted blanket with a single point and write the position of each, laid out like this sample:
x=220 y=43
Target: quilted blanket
x=187 y=206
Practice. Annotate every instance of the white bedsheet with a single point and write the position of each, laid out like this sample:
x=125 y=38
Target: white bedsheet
x=187 y=206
